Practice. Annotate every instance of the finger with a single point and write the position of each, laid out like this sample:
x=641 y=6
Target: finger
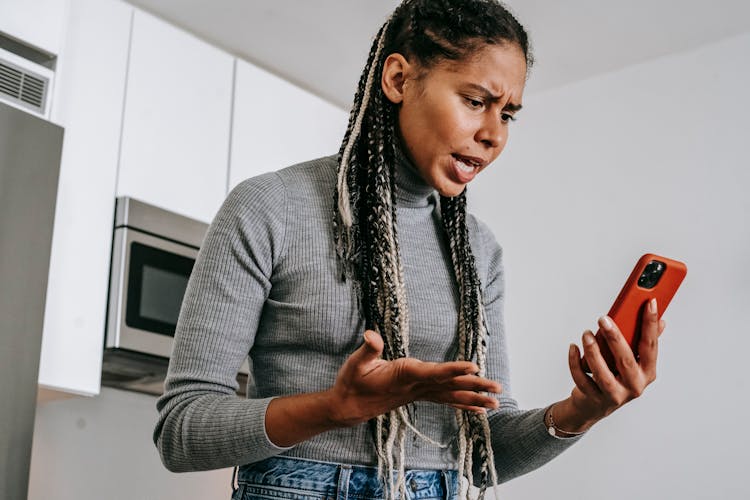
x=472 y=383
x=621 y=351
x=465 y=398
x=370 y=350
x=603 y=376
x=476 y=409
x=648 y=347
x=420 y=371
x=582 y=381
x=662 y=326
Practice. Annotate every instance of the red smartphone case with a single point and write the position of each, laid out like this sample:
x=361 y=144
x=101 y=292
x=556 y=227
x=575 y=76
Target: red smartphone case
x=627 y=310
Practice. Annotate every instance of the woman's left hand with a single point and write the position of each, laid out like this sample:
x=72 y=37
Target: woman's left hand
x=597 y=395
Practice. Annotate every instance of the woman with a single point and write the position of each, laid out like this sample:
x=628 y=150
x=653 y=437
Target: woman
x=423 y=398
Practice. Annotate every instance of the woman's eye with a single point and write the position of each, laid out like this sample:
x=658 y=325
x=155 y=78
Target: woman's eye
x=474 y=103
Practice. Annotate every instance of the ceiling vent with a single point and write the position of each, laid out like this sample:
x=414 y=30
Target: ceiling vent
x=24 y=83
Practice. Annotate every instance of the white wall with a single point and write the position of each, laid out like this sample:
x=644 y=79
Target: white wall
x=100 y=447
x=653 y=158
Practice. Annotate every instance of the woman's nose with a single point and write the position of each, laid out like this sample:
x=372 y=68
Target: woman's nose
x=491 y=132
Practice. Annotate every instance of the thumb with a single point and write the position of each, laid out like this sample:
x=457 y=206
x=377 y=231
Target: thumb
x=373 y=342
x=371 y=349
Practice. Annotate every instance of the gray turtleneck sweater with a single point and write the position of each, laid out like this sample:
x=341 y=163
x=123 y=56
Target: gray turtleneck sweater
x=266 y=284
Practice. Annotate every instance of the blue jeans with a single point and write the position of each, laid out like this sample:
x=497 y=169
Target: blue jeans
x=282 y=477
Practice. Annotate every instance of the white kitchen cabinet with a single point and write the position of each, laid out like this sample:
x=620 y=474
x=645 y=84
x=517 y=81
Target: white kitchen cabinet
x=40 y=23
x=176 y=123
x=148 y=111
x=277 y=124
x=88 y=103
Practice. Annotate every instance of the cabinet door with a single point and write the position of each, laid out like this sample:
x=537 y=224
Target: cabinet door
x=175 y=133
x=88 y=103
x=277 y=124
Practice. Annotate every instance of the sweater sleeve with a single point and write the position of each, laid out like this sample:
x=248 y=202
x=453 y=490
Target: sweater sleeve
x=520 y=440
x=202 y=423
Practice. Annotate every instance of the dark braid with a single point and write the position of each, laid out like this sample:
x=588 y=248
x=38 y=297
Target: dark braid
x=365 y=225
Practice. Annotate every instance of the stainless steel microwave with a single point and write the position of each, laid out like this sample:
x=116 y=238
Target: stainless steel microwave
x=153 y=253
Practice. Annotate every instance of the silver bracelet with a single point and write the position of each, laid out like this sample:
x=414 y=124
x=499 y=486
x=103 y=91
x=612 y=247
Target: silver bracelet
x=554 y=430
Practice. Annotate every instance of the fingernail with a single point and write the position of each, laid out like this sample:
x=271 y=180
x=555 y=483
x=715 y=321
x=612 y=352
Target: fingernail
x=588 y=337
x=367 y=338
x=652 y=306
x=605 y=323
x=572 y=350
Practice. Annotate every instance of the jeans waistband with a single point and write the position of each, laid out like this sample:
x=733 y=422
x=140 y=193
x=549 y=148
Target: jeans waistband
x=300 y=477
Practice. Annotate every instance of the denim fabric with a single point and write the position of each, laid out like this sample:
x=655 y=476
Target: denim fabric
x=282 y=477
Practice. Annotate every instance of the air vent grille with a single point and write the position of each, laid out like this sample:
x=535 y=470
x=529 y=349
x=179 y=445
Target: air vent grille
x=22 y=86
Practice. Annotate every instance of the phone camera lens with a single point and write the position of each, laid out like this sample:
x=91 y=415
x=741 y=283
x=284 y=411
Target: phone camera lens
x=651 y=274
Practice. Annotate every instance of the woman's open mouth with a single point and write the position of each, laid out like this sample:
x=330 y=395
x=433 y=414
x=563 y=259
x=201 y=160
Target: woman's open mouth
x=466 y=167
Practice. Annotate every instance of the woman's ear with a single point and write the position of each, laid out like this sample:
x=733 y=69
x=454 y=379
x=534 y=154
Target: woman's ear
x=396 y=70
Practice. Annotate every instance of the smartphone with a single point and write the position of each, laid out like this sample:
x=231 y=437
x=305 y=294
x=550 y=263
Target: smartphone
x=652 y=276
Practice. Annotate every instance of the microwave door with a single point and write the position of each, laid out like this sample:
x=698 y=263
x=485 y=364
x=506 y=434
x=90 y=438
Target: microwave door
x=149 y=278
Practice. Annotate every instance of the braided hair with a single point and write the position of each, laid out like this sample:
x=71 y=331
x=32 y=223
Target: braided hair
x=364 y=219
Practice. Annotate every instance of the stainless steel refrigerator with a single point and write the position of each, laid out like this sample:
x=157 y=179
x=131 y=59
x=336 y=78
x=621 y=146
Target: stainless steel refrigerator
x=30 y=151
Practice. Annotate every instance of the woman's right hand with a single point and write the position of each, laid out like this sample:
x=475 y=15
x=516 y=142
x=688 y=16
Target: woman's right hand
x=367 y=386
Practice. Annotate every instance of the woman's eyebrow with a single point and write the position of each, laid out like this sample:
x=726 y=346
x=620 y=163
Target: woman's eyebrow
x=489 y=96
x=513 y=107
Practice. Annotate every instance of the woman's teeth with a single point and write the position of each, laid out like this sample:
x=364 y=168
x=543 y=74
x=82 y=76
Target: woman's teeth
x=464 y=167
x=465 y=164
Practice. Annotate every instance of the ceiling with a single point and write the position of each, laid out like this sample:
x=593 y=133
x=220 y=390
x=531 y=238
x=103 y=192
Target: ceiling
x=322 y=45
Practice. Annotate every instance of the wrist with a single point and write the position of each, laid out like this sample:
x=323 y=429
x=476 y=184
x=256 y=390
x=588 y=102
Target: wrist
x=292 y=419
x=567 y=420
x=338 y=413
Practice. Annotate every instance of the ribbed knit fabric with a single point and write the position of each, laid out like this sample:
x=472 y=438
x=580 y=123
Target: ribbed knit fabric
x=267 y=282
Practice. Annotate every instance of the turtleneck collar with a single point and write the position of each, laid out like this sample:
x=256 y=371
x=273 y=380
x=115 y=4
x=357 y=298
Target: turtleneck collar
x=411 y=189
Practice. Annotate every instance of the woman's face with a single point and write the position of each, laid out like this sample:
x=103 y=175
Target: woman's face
x=454 y=117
